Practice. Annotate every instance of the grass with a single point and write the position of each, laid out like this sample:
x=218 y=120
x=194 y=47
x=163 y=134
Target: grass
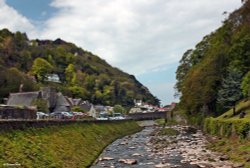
x=230 y=125
x=170 y=122
x=242 y=106
x=169 y=132
x=233 y=132
x=237 y=150
x=73 y=146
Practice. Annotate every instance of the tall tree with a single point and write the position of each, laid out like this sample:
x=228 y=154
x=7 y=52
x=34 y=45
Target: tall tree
x=70 y=74
x=230 y=91
x=245 y=85
x=41 y=68
x=182 y=70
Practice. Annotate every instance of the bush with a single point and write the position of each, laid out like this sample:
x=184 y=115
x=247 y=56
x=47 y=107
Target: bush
x=41 y=105
x=230 y=127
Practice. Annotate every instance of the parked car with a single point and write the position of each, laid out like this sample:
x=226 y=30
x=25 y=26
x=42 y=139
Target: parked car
x=41 y=115
x=62 y=115
x=103 y=116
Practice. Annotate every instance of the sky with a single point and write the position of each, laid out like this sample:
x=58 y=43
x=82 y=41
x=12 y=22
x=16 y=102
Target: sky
x=146 y=38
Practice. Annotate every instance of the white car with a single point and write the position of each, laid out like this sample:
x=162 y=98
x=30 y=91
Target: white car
x=41 y=115
x=102 y=118
x=117 y=116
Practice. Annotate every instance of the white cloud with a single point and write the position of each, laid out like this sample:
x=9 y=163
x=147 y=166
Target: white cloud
x=13 y=20
x=136 y=36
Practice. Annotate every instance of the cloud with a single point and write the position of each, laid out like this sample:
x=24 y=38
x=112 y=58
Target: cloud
x=143 y=37
x=13 y=20
x=136 y=36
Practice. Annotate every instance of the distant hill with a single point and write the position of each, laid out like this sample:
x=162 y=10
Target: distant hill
x=215 y=75
x=81 y=73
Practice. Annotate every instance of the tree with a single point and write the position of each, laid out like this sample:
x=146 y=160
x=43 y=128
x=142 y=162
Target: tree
x=41 y=68
x=119 y=109
x=70 y=74
x=11 y=79
x=77 y=91
x=182 y=70
x=230 y=91
x=245 y=85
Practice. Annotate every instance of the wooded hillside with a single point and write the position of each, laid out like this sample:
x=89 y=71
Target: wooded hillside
x=215 y=75
x=81 y=73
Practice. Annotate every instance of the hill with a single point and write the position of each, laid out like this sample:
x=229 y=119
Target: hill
x=81 y=73
x=215 y=75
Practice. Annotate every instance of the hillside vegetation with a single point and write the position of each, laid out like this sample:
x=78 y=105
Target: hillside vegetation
x=229 y=125
x=70 y=146
x=82 y=74
x=215 y=75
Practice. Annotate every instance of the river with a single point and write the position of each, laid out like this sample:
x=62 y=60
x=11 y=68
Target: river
x=149 y=149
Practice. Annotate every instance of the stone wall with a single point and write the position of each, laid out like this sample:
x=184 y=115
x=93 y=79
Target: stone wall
x=23 y=124
x=147 y=116
x=9 y=112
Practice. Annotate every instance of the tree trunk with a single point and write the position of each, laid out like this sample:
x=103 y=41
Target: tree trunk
x=165 y=119
x=234 y=109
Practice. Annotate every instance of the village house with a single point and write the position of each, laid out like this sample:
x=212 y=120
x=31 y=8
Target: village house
x=86 y=106
x=55 y=101
x=53 y=78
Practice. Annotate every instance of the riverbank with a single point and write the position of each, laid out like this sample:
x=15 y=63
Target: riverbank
x=72 y=145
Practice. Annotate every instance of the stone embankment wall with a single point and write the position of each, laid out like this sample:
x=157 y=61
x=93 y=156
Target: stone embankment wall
x=228 y=128
x=147 y=116
x=23 y=124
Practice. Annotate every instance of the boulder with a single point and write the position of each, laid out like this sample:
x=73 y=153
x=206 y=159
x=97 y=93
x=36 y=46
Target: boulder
x=128 y=161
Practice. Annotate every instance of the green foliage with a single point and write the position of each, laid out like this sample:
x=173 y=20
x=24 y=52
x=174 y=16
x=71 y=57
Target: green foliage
x=61 y=146
x=119 y=109
x=87 y=75
x=245 y=85
x=70 y=74
x=230 y=91
x=41 y=68
x=77 y=109
x=238 y=151
x=169 y=132
x=230 y=125
x=41 y=104
x=209 y=76
x=77 y=92
x=11 y=79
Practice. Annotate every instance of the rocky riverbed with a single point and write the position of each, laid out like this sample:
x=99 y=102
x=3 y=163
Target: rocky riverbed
x=154 y=148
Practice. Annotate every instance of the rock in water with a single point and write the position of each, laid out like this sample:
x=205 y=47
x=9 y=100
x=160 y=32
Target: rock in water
x=106 y=158
x=128 y=161
x=162 y=166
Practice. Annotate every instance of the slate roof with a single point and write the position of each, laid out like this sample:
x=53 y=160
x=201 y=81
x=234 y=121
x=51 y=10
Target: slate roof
x=23 y=99
x=61 y=103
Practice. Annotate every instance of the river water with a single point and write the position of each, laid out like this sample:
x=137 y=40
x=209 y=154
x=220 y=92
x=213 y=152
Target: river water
x=147 y=149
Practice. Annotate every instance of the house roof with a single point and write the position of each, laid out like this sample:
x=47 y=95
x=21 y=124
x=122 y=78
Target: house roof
x=61 y=100
x=86 y=106
x=73 y=102
x=23 y=99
